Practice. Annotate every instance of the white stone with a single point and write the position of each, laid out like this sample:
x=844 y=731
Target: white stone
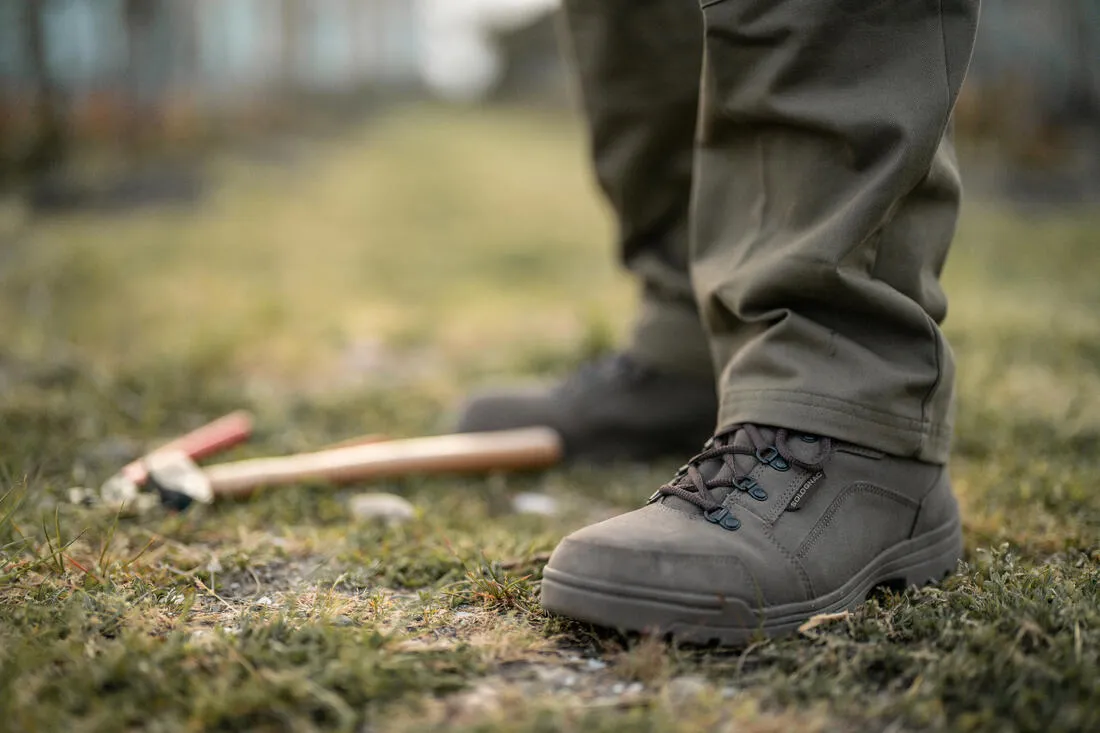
x=481 y=702
x=388 y=508
x=532 y=503
x=685 y=689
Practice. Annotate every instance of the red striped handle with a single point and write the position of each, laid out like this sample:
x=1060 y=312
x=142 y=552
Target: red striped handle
x=214 y=437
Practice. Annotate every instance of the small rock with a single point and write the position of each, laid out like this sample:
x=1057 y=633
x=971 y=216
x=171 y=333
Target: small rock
x=534 y=503
x=594 y=665
x=83 y=496
x=342 y=621
x=202 y=639
x=685 y=689
x=478 y=703
x=618 y=688
x=555 y=677
x=264 y=601
x=388 y=508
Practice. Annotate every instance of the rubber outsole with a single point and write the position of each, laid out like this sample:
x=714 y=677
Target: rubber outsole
x=706 y=619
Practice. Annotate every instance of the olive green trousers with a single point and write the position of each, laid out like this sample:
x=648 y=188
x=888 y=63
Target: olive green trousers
x=786 y=191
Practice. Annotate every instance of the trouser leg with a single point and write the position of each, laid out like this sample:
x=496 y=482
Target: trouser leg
x=638 y=63
x=826 y=194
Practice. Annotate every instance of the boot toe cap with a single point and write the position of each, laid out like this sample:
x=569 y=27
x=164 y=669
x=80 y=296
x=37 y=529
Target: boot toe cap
x=677 y=558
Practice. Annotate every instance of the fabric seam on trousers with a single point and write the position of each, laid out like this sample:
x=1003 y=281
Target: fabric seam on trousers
x=936 y=337
x=927 y=401
x=946 y=66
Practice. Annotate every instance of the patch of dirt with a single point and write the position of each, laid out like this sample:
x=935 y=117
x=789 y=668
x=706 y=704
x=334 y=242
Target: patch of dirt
x=283 y=575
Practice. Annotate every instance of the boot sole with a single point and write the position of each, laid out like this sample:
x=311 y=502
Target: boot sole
x=705 y=619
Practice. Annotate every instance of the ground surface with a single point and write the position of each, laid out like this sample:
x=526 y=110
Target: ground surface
x=363 y=288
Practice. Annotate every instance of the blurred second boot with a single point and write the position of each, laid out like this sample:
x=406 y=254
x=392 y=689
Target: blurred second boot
x=613 y=408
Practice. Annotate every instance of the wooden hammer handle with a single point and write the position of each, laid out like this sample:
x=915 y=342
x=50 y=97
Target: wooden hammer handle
x=216 y=436
x=464 y=452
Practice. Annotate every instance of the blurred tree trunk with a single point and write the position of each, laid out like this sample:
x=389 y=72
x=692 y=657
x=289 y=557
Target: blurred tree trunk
x=291 y=33
x=50 y=142
x=185 y=85
x=183 y=18
x=138 y=20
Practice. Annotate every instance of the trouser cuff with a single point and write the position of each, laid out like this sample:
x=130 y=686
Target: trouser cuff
x=860 y=424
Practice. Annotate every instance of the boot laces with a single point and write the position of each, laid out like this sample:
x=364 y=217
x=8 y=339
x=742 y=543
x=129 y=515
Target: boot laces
x=692 y=486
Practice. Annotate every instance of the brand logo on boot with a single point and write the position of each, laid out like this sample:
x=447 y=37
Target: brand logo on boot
x=796 y=501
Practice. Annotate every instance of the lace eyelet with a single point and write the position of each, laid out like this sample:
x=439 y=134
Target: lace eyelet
x=808 y=438
x=746 y=483
x=721 y=516
x=749 y=486
x=770 y=457
x=767 y=455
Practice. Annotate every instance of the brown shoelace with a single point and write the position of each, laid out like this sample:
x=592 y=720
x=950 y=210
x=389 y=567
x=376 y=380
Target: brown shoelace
x=692 y=486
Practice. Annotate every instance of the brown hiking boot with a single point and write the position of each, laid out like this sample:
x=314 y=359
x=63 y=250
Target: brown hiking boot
x=762 y=530
x=615 y=408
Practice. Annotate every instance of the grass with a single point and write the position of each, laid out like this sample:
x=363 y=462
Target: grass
x=365 y=288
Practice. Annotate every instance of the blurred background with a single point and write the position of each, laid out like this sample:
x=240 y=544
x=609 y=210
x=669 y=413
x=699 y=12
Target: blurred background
x=339 y=190
x=134 y=78
x=344 y=215
x=138 y=77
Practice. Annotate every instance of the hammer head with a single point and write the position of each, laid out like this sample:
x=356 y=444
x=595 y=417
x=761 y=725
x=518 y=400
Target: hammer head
x=174 y=481
x=122 y=493
x=177 y=480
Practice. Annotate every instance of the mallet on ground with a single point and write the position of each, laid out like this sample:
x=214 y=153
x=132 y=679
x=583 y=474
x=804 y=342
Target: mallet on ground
x=214 y=437
x=179 y=482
